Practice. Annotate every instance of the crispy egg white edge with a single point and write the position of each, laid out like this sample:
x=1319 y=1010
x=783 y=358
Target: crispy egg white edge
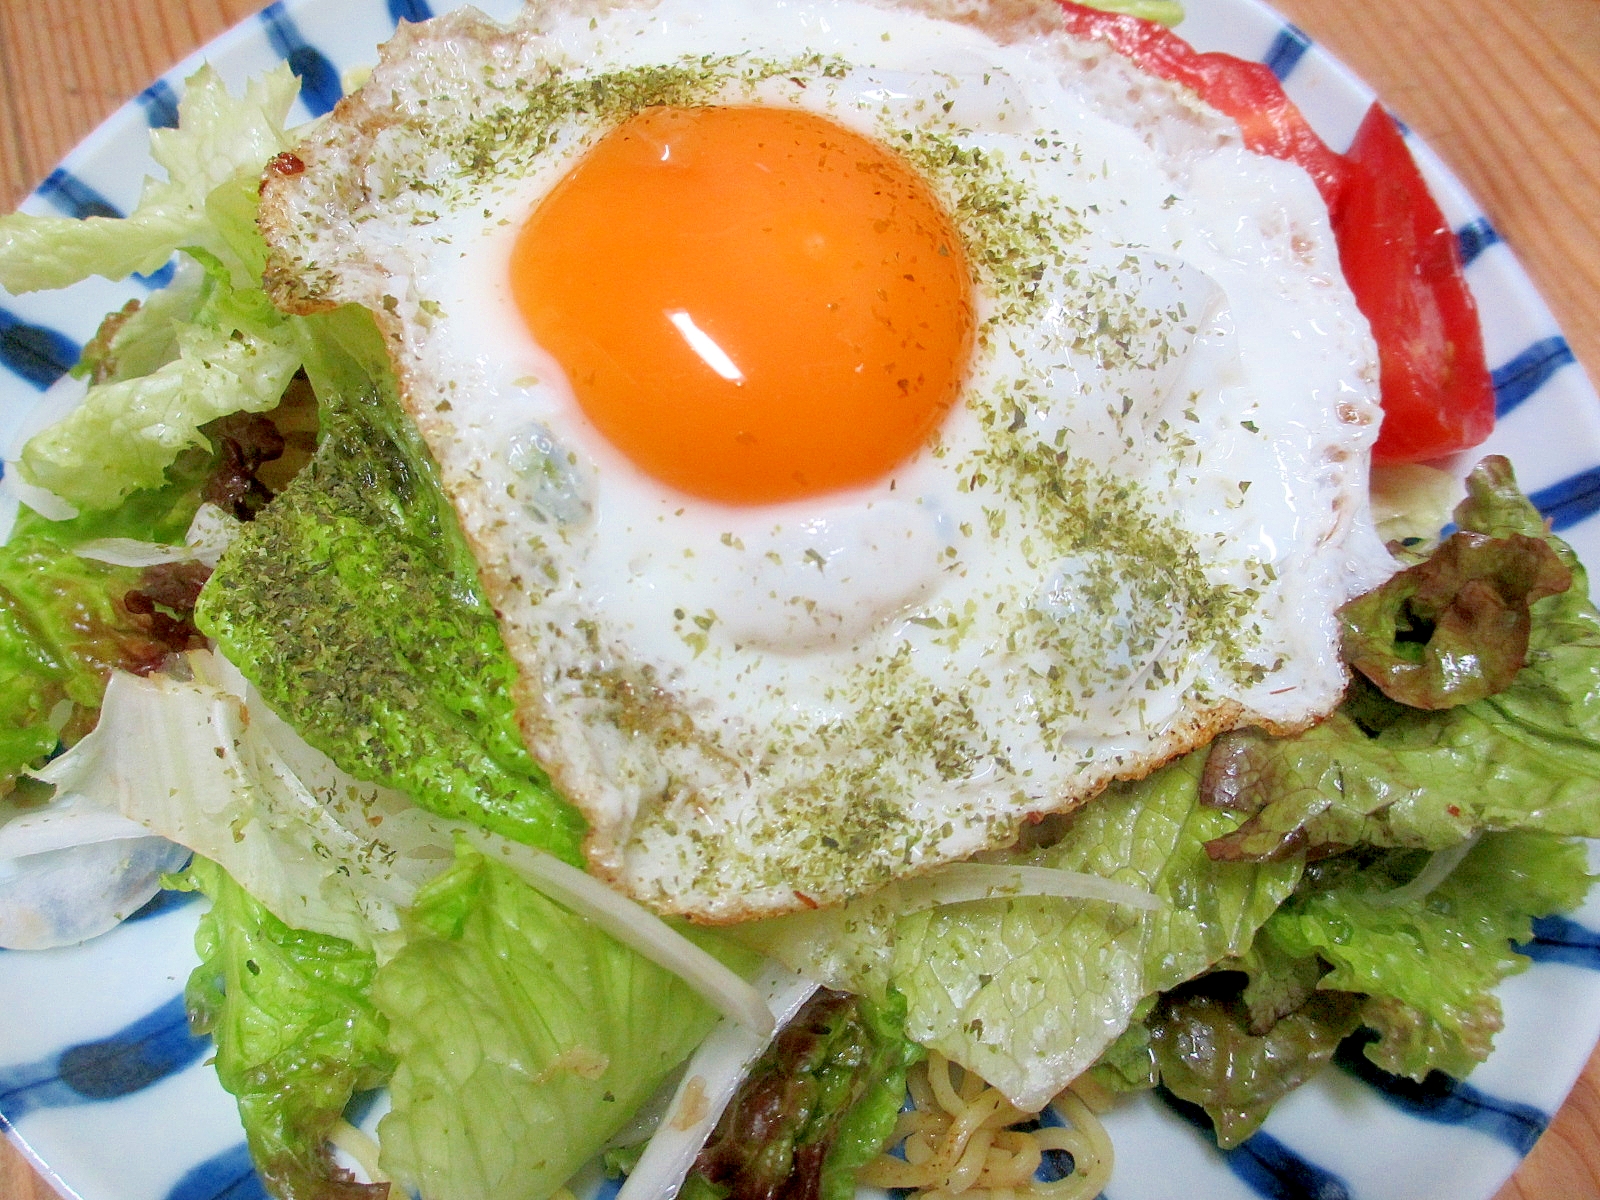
x=330 y=158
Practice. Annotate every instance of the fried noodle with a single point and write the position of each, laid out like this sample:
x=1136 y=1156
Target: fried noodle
x=961 y=1137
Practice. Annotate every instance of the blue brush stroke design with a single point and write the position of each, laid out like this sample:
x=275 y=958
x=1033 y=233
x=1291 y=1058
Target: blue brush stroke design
x=608 y=1189
x=1572 y=500
x=1563 y=940
x=1527 y=372
x=77 y=199
x=1286 y=51
x=150 y=1049
x=165 y=901
x=1057 y=1164
x=1274 y=1171
x=74 y=197
x=160 y=104
x=409 y=10
x=1445 y=1101
x=1271 y=1169
x=227 y=1176
x=1474 y=238
x=37 y=354
x=319 y=82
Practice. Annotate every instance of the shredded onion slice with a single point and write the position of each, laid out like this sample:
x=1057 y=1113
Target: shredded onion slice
x=633 y=926
x=1437 y=870
x=210 y=533
x=713 y=1075
x=360 y=1145
x=959 y=882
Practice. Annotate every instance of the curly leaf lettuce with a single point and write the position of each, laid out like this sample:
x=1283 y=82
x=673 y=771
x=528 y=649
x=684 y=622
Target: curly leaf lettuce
x=219 y=140
x=296 y=1035
x=1028 y=991
x=64 y=627
x=1429 y=966
x=234 y=353
x=1526 y=757
x=1208 y=1055
x=352 y=603
x=525 y=1038
x=816 y=1107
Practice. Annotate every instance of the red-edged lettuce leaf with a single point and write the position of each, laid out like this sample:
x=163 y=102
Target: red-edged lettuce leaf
x=296 y=1035
x=1526 y=757
x=1428 y=966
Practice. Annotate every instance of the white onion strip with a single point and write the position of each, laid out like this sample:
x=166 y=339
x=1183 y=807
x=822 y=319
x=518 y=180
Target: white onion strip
x=709 y=1082
x=1436 y=871
x=633 y=926
x=960 y=882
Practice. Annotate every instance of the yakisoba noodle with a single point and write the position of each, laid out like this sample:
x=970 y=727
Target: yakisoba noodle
x=959 y=1139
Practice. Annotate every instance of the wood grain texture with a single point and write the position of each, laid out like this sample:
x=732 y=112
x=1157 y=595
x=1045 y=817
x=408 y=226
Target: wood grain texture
x=1506 y=91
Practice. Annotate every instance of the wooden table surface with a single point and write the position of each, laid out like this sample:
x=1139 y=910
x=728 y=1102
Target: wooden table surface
x=1488 y=83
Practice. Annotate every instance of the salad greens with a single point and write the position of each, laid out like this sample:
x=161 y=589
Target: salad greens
x=353 y=603
x=1380 y=773
x=65 y=619
x=296 y=1031
x=817 y=1107
x=525 y=1037
x=209 y=348
x=1303 y=887
x=983 y=982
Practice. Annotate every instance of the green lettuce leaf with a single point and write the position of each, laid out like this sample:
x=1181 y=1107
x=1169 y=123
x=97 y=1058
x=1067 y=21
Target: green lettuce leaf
x=1028 y=991
x=816 y=1107
x=296 y=1035
x=219 y=141
x=1164 y=12
x=234 y=353
x=868 y=1123
x=1526 y=757
x=526 y=1038
x=1429 y=966
x=64 y=627
x=352 y=602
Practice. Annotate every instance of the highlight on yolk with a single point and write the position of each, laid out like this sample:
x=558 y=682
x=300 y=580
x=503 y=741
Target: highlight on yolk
x=753 y=304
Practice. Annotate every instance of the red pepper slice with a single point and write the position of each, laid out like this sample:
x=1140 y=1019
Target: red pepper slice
x=1399 y=255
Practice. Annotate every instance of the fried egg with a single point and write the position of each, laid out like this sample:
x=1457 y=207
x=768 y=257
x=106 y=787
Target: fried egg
x=878 y=425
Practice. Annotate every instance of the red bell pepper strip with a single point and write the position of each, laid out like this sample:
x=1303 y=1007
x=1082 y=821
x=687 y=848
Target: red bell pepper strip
x=1399 y=255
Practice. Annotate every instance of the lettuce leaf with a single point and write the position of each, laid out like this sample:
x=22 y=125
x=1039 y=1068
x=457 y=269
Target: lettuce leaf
x=1453 y=628
x=352 y=602
x=869 y=1122
x=1164 y=12
x=525 y=1038
x=818 y=1105
x=296 y=1035
x=1526 y=757
x=234 y=353
x=1208 y=1055
x=1028 y=991
x=64 y=627
x=219 y=141
x=1429 y=966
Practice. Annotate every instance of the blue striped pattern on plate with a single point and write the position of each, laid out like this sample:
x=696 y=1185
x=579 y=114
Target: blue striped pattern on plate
x=100 y=1076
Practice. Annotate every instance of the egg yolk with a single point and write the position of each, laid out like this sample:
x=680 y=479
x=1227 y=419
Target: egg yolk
x=752 y=304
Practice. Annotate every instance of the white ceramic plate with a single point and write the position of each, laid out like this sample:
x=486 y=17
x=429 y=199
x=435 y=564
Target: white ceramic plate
x=102 y=1084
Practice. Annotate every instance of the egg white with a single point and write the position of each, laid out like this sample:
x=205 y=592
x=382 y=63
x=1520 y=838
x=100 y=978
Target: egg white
x=1132 y=534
